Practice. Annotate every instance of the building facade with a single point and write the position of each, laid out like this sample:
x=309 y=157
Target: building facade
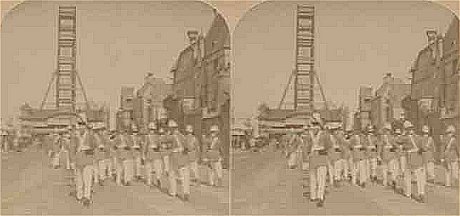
x=362 y=117
x=149 y=98
x=387 y=102
x=425 y=83
x=449 y=94
x=201 y=82
x=124 y=115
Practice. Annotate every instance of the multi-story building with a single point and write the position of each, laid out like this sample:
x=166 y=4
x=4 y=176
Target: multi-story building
x=124 y=116
x=201 y=85
x=435 y=83
x=449 y=93
x=149 y=98
x=387 y=102
x=362 y=118
x=425 y=83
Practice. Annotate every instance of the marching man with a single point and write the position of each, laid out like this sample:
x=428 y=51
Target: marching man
x=179 y=163
x=292 y=146
x=137 y=153
x=415 y=161
x=347 y=155
x=428 y=152
x=113 y=152
x=451 y=155
x=66 y=147
x=371 y=162
x=318 y=164
x=124 y=167
x=305 y=136
x=100 y=166
x=387 y=151
x=359 y=160
x=194 y=150
x=334 y=156
x=84 y=165
x=214 y=155
x=154 y=161
x=398 y=154
x=57 y=149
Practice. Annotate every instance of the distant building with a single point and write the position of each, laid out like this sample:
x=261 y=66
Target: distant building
x=387 y=102
x=125 y=115
x=149 y=101
x=37 y=121
x=362 y=117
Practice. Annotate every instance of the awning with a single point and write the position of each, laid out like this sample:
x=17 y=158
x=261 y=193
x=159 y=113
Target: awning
x=280 y=130
x=271 y=124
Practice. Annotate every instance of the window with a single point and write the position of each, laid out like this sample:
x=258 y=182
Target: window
x=454 y=66
x=215 y=65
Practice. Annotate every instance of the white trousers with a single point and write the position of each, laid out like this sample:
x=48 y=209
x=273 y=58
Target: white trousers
x=166 y=163
x=183 y=174
x=389 y=167
x=216 y=171
x=84 y=182
x=451 y=172
x=407 y=179
x=55 y=161
x=102 y=170
x=195 y=170
x=372 y=167
x=137 y=167
x=119 y=172
x=128 y=170
x=67 y=159
x=155 y=166
x=420 y=174
x=346 y=165
x=318 y=182
x=429 y=167
x=292 y=160
x=360 y=169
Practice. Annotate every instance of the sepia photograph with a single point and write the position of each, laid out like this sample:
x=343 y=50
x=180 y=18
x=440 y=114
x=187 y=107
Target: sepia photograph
x=345 y=107
x=114 y=108
x=221 y=107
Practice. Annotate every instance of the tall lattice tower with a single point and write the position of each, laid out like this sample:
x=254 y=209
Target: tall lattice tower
x=65 y=77
x=304 y=62
x=305 y=80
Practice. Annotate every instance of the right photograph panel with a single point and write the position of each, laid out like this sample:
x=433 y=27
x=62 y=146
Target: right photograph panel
x=345 y=108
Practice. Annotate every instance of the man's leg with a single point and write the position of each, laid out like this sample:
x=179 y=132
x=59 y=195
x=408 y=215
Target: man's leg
x=172 y=182
x=87 y=181
x=148 y=172
x=157 y=165
x=79 y=183
x=322 y=171
x=313 y=183
x=385 y=173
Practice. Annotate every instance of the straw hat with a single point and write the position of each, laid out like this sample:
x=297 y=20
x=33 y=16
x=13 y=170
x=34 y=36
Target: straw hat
x=214 y=128
x=189 y=128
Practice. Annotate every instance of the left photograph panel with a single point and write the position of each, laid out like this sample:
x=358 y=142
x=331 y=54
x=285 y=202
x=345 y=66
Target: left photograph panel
x=114 y=108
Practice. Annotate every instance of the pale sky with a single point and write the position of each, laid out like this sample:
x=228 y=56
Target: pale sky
x=356 y=43
x=118 y=43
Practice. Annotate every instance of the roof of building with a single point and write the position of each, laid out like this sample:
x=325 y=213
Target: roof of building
x=218 y=34
x=37 y=114
x=275 y=114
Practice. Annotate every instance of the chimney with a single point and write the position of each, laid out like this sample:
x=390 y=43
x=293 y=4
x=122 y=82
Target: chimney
x=192 y=36
x=431 y=34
